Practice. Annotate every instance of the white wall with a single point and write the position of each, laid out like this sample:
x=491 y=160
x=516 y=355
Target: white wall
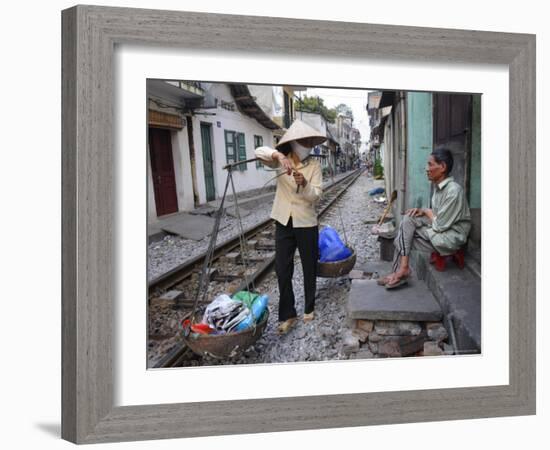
x=31 y=228
x=182 y=169
x=252 y=178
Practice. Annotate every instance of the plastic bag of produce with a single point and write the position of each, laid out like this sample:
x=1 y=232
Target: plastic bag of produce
x=224 y=313
x=257 y=309
x=331 y=247
x=246 y=297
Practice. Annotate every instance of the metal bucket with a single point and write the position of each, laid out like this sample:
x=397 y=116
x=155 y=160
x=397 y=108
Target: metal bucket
x=337 y=268
x=229 y=345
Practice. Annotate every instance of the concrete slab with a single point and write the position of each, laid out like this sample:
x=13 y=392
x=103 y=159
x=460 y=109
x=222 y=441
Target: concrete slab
x=171 y=295
x=154 y=234
x=188 y=226
x=232 y=211
x=414 y=302
x=377 y=268
x=205 y=210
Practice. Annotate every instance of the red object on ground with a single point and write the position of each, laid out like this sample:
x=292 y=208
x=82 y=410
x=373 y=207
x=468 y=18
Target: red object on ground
x=440 y=262
x=201 y=328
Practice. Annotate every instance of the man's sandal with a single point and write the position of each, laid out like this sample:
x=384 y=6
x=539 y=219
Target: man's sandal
x=382 y=281
x=284 y=327
x=401 y=282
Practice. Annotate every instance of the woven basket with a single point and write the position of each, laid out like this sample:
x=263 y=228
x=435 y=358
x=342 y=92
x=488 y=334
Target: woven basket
x=223 y=346
x=337 y=268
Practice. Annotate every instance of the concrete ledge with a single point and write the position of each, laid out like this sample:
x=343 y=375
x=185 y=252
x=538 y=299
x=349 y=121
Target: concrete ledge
x=458 y=292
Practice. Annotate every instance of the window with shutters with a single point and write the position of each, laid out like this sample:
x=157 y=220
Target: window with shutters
x=235 y=148
x=242 y=150
x=230 y=147
x=258 y=142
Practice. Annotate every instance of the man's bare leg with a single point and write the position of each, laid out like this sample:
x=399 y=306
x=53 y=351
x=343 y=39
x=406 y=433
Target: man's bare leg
x=404 y=271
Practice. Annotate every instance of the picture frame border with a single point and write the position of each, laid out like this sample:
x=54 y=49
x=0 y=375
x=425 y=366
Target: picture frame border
x=89 y=37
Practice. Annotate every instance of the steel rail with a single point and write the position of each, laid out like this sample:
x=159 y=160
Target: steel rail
x=186 y=269
x=173 y=357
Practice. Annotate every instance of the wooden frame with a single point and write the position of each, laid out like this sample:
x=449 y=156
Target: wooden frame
x=89 y=36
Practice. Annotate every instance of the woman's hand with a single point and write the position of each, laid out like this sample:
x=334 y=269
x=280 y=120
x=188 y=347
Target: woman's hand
x=299 y=178
x=283 y=161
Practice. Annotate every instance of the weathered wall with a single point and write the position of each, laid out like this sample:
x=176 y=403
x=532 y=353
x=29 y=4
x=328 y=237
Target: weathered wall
x=475 y=171
x=419 y=147
x=475 y=168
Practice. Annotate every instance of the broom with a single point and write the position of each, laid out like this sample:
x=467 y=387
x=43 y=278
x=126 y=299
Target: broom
x=392 y=199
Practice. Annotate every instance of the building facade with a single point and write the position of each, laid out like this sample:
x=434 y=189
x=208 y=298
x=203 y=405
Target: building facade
x=407 y=126
x=195 y=129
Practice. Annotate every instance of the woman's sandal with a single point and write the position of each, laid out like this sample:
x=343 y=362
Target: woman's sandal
x=308 y=317
x=284 y=327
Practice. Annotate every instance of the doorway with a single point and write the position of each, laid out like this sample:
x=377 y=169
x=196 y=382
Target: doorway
x=162 y=171
x=207 y=160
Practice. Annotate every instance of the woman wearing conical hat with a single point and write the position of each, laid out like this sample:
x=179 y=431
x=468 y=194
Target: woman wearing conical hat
x=298 y=190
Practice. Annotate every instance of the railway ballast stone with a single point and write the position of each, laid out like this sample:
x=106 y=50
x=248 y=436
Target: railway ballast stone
x=360 y=334
x=397 y=328
x=394 y=346
x=366 y=325
x=436 y=331
x=431 y=348
x=363 y=353
x=350 y=343
x=232 y=257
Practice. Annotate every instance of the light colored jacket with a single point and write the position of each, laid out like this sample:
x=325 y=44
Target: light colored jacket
x=451 y=225
x=289 y=203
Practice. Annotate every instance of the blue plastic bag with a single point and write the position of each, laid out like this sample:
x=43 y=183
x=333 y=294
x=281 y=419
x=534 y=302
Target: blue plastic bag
x=331 y=247
x=256 y=311
x=376 y=191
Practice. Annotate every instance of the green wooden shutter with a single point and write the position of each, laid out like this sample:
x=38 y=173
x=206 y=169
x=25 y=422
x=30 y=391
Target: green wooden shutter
x=242 y=150
x=230 y=153
x=258 y=142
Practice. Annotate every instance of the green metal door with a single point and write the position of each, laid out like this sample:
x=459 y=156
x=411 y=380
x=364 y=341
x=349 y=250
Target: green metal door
x=208 y=163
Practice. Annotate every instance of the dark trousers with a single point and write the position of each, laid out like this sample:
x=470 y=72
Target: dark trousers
x=287 y=238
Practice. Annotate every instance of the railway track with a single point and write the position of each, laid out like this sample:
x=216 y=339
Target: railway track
x=228 y=274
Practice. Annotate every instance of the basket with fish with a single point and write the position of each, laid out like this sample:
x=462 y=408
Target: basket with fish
x=228 y=326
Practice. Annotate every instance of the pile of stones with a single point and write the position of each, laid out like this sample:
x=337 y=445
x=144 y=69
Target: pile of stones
x=384 y=338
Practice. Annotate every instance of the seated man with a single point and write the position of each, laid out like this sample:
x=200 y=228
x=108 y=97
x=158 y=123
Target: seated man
x=443 y=229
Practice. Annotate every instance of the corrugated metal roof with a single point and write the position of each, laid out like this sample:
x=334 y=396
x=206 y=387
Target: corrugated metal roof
x=248 y=106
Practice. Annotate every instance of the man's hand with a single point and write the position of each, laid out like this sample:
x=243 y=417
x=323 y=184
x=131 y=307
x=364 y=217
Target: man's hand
x=415 y=212
x=299 y=178
x=283 y=161
x=429 y=214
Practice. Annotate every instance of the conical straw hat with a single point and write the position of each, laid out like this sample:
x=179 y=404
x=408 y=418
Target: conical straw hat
x=300 y=131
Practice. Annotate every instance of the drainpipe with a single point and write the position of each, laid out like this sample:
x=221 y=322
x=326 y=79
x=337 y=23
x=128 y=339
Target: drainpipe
x=452 y=333
x=468 y=153
x=189 y=120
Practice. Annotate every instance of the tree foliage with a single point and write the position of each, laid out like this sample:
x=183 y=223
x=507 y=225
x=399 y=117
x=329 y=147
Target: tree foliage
x=344 y=109
x=378 y=168
x=316 y=105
